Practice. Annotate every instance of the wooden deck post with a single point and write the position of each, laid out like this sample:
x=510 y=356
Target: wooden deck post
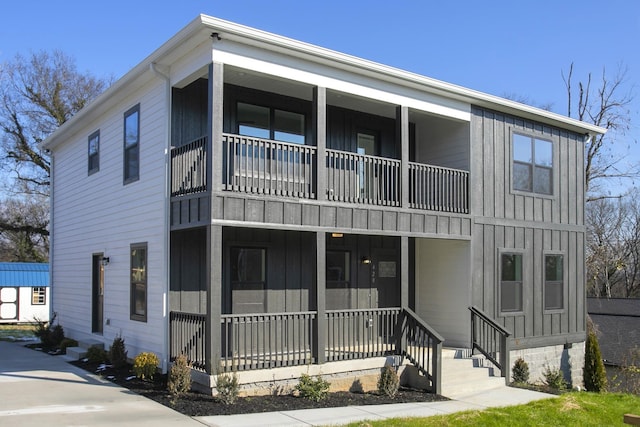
x=402 y=130
x=319 y=122
x=320 y=324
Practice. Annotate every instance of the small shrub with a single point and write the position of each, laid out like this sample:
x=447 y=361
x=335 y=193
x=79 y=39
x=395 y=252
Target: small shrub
x=388 y=382
x=313 y=389
x=554 y=378
x=228 y=387
x=179 y=381
x=118 y=353
x=520 y=371
x=56 y=336
x=67 y=342
x=145 y=365
x=50 y=335
x=595 y=377
x=96 y=355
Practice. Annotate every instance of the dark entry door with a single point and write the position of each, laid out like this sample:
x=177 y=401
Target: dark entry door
x=97 y=294
x=385 y=278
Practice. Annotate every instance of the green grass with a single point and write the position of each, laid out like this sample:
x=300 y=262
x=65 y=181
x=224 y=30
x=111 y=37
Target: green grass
x=16 y=332
x=570 y=409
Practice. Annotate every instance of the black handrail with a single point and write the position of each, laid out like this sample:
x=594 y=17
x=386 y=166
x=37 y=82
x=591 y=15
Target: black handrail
x=490 y=339
x=422 y=346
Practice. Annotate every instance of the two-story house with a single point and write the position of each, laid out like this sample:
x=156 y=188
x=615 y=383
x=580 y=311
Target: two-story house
x=271 y=207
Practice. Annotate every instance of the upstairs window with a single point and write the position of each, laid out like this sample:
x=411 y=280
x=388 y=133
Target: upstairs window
x=94 y=152
x=132 y=144
x=553 y=282
x=270 y=123
x=511 y=283
x=532 y=164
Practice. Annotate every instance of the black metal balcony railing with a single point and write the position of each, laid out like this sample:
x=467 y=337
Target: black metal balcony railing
x=259 y=166
x=189 y=168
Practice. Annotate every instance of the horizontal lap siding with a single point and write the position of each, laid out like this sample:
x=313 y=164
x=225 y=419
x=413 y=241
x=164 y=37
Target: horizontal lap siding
x=534 y=225
x=98 y=213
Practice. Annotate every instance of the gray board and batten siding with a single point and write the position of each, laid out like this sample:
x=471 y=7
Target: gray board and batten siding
x=508 y=221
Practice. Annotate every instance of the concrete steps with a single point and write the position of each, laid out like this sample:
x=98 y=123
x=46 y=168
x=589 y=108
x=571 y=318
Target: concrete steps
x=464 y=373
x=80 y=352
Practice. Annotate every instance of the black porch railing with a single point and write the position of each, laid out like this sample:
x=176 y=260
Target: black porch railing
x=187 y=336
x=269 y=340
x=259 y=166
x=490 y=339
x=263 y=341
x=189 y=168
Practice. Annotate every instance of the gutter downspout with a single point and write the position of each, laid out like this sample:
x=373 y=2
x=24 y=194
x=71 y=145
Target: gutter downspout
x=166 y=235
x=51 y=193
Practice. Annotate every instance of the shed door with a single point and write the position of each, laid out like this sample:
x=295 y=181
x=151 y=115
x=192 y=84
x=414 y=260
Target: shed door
x=8 y=303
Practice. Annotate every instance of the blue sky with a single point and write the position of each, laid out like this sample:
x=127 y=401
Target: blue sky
x=499 y=47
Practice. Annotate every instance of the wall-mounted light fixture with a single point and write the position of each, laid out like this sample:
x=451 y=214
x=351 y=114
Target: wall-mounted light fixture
x=338 y=235
x=366 y=260
x=104 y=260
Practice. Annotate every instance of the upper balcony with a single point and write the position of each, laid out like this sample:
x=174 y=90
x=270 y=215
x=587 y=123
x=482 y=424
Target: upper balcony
x=269 y=146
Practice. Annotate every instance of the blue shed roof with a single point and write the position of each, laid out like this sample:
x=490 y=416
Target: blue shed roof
x=24 y=274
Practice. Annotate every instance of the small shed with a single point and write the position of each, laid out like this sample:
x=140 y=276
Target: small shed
x=24 y=292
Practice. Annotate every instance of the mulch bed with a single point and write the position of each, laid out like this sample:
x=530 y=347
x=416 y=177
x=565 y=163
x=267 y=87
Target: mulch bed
x=197 y=404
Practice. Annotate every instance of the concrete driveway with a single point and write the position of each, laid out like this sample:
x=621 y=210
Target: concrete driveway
x=41 y=390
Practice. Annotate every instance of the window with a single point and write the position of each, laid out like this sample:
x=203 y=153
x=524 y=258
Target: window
x=338 y=274
x=132 y=144
x=138 y=304
x=553 y=282
x=38 y=295
x=510 y=282
x=270 y=123
x=94 y=152
x=248 y=280
x=532 y=164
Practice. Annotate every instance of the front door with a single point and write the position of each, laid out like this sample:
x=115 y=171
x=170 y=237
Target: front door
x=385 y=278
x=97 y=294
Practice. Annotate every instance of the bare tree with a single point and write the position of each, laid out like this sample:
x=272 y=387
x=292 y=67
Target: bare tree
x=38 y=93
x=613 y=247
x=605 y=104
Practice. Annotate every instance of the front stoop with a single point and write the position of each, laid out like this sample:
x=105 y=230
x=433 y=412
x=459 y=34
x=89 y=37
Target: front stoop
x=80 y=352
x=464 y=373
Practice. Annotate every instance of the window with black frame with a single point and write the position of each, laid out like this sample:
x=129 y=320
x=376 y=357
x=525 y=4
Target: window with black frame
x=138 y=276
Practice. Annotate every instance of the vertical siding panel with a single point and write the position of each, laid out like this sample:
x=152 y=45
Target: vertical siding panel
x=499 y=165
x=579 y=178
x=488 y=178
x=490 y=282
x=574 y=281
x=476 y=183
x=478 y=285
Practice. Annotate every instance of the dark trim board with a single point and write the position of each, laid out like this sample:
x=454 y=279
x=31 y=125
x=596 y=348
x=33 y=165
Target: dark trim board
x=325 y=216
x=544 y=341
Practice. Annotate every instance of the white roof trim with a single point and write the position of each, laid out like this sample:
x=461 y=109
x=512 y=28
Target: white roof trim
x=204 y=25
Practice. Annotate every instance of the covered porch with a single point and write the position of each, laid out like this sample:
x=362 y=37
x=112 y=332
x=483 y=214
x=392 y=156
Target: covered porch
x=290 y=298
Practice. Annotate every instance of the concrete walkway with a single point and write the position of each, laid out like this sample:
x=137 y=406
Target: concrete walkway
x=40 y=390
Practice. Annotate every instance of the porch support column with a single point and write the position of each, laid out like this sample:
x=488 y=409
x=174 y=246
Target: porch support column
x=214 y=143
x=320 y=324
x=404 y=271
x=319 y=124
x=402 y=131
x=214 y=299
